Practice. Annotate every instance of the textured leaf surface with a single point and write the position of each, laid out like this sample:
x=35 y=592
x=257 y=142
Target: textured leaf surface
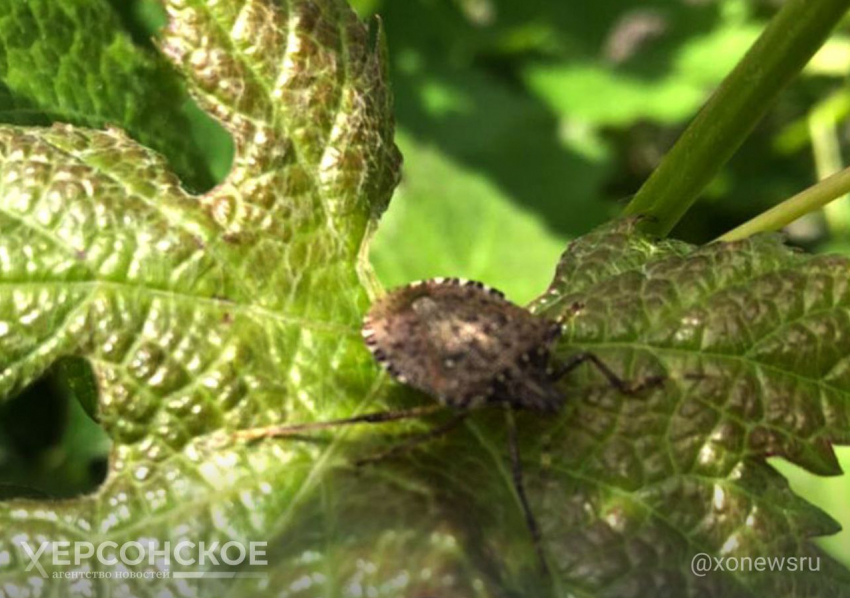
x=69 y=61
x=207 y=314
x=201 y=314
x=752 y=339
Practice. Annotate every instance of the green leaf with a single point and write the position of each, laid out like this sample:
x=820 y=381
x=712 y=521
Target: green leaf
x=70 y=61
x=588 y=93
x=603 y=94
x=450 y=102
x=751 y=339
x=448 y=221
x=203 y=315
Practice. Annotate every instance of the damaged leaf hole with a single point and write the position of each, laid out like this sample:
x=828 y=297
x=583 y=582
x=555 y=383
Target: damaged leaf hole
x=467 y=346
x=50 y=427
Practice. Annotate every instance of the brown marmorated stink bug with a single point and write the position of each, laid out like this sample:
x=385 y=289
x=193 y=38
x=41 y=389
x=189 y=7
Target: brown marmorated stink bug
x=467 y=346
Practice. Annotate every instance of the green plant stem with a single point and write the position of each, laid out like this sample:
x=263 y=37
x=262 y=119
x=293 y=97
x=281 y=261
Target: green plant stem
x=826 y=147
x=783 y=49
x=789 y=210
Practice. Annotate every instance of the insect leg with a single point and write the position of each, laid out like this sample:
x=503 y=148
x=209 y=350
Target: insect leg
x=414 y=441
x=367 y=418
x=613 y=379
x=519 y=486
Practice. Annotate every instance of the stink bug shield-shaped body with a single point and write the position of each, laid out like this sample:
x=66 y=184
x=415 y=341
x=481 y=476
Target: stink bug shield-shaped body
x=464 y=344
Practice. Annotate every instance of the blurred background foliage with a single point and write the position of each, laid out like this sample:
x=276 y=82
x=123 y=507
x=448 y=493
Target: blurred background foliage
x=523 y=123
x=526 y=123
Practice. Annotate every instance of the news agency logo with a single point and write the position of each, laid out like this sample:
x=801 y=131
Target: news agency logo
x=205 y=557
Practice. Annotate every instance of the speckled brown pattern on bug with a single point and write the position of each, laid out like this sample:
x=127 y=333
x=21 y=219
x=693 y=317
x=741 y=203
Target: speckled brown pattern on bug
x=464 y=343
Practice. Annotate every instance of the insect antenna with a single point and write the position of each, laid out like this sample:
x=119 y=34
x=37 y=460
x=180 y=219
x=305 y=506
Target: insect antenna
x=624 y=386
x=580 y=358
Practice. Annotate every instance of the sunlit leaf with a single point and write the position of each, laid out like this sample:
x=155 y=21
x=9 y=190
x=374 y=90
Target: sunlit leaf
x=206 y=314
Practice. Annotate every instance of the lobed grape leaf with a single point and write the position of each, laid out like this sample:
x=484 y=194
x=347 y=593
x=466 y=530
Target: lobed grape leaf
x=203 y=315
x=69 y=61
